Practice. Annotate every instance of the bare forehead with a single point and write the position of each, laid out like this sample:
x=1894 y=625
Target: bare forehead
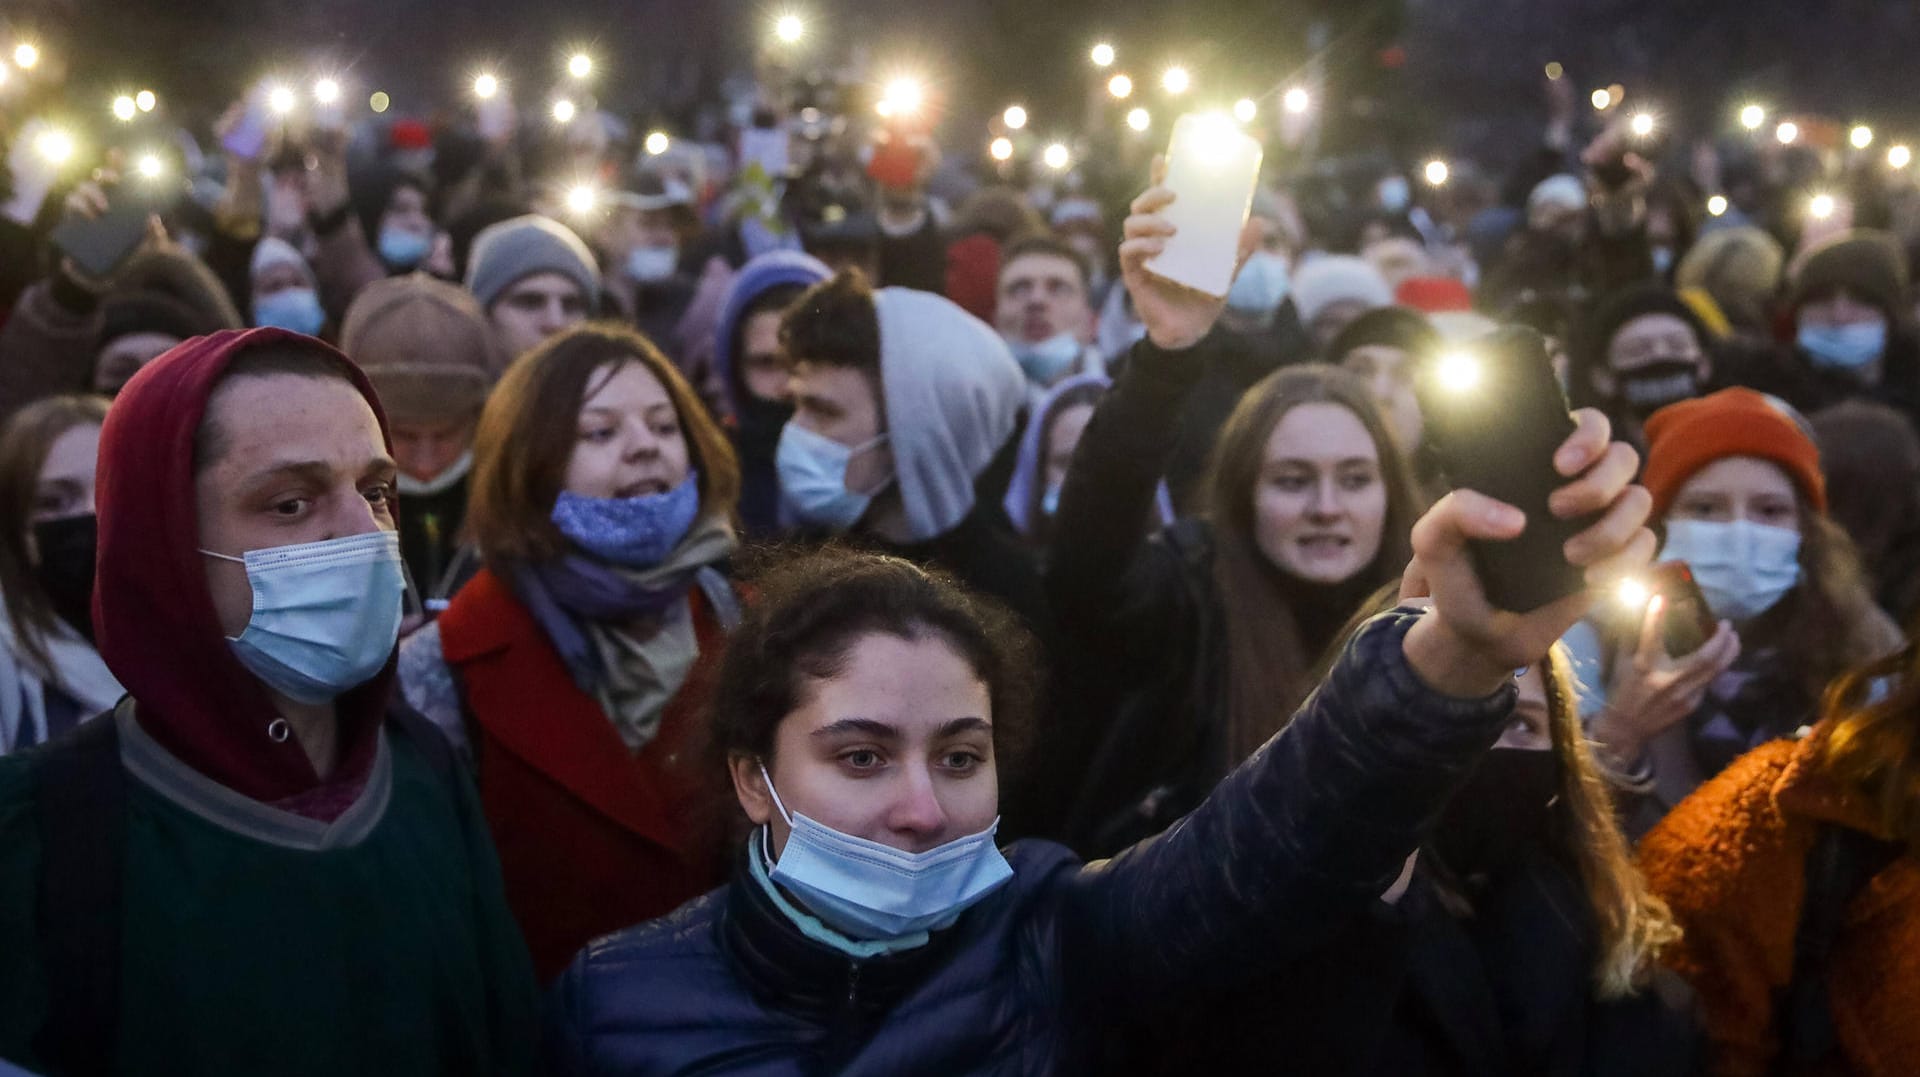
x=1040 y=265
x=1320 y=432
x=254 y=417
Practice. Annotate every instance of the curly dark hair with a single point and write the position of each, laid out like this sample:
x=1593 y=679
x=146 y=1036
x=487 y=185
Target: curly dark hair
x=809 y=610
x=834 y=323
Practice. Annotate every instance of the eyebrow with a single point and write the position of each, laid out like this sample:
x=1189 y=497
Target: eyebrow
x=884 y=731
x=318 y=472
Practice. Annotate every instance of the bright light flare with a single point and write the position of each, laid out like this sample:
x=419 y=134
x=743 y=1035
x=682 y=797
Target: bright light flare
x=1752 y=116
x=1296 y=101
x=150 y=166
x=1787 y=133
x=1602 y=100
x=281 y=100
x=1014 y=117
x=582 y=199
x=1437 y=173
x=56 y=146
x=1103 y=55
x=145 y=101
x=1821 y=206
x=657 y=143
x=1717 y=205
x=124 y=109
x=326 y=91
x=789 y=29
x=1057 y=157
x=1120 y=87
x=1641 y=125
x=580 y=65
x=1139 y=119
x=1000 y=149
x=1861 y=136
x=486 y=86
x=1899 y=157
x=1458 y=372
x=1176 y=80
x=564 y=111
x=26 y=56
x=1245 y=110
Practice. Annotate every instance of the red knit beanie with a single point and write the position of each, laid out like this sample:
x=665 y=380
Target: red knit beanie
x=1685 y=437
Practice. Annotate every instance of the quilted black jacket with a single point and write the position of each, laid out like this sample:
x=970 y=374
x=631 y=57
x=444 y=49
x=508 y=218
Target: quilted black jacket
x=1050 y=974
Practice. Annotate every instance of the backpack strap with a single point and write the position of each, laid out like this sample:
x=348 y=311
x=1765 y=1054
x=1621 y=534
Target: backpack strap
x=82 y=804
x=1839 y=866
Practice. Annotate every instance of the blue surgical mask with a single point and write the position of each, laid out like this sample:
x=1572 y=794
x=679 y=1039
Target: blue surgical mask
x=1662 y=260
x=1261 y=285
x=297 y=309
x=1743 y=568
x=647 y=264
x=401 y=249
x=1395 y=193
x=813 y=478
x=633 y=532
x=1844 y=347
x=1050 y=501
x=872 y=891
x=1050 y=359
x=325 y=614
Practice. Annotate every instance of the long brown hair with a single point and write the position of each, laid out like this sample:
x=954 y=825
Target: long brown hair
x=24 y=446
x=528 y=430
x=1835 y=624
x=1631 y=923
x=1267 y=660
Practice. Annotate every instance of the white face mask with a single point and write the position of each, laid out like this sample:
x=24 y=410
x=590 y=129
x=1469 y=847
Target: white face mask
x=1744 y=569
x=647 y=264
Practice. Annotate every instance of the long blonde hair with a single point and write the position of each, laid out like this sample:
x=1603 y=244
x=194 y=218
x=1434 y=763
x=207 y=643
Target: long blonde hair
x=1631 y=923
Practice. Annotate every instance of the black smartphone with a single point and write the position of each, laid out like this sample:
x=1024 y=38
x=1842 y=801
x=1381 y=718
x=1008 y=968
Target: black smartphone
x=1687 y=624
x=99 y=246
x=1495 y=415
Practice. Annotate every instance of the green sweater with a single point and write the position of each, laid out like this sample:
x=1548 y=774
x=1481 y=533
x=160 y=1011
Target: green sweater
x=260 y=942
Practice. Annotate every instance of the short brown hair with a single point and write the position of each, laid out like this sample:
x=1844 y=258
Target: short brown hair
x=528 y=430
x=834 y=322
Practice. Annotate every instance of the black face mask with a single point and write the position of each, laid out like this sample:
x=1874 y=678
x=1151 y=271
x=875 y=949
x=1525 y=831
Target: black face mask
x=65 y=571
x=1645 y=390
x=1504 y=810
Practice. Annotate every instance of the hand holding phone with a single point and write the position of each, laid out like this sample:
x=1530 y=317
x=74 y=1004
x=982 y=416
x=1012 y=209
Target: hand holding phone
x=246 y=134
x=1651 y=689
x=1686 y=622
x=1176 y=316
x=1495 y=416
x=1213 y=168
x=103 y=228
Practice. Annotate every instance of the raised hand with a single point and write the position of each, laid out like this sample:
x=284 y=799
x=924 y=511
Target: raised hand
x=1175 y=315
x=1465 y=647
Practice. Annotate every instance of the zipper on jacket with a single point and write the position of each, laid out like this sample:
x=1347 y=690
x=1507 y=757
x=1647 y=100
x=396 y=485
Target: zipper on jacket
x=853 y=983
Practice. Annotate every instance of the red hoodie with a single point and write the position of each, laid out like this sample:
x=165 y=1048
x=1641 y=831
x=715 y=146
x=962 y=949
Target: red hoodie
x=153 y=614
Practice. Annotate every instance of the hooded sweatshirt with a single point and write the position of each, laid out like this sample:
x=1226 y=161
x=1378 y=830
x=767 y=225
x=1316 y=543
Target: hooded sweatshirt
x=757 y=422
x=953 y=395
x=270 y=921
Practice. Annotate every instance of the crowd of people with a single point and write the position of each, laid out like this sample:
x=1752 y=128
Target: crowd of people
x=495 y=597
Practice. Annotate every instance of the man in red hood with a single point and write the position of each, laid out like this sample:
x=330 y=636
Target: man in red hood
x=253 y=865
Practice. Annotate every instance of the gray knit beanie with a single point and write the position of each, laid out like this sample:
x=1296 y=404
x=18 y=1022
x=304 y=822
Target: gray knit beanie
x=515 y=249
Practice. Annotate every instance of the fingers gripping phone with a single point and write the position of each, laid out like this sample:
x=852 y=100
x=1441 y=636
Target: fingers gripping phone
x=1686 y=623
x=1495 y=415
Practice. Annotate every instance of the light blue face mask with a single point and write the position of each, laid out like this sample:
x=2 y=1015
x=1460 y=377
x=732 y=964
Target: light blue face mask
x=1050 y=359
x=1261 y=285
x=813 y=478
x=1050 y=501
x=1395 y=194
x=1743 y=568
x=1844 y=347
x=634 y=532
x=647 y=264
x=297 y=309
x=1662 y=260
x=401 y=249
x=325 y=614
x=872 y=891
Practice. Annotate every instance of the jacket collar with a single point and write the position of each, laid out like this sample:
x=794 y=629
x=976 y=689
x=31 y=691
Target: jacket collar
x=812 y=979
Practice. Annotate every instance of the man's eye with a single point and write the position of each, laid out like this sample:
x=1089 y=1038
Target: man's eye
x=290 y=507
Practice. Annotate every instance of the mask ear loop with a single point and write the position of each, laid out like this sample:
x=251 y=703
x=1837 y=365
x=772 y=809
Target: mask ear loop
x=767 y=778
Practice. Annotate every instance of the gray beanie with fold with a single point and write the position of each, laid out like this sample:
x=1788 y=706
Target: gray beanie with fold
x=515 y=249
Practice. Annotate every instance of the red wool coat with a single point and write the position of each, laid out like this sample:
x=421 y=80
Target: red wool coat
x=592 y=837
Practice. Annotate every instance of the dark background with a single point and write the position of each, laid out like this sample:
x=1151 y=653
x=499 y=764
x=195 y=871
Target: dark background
x=1460 y=73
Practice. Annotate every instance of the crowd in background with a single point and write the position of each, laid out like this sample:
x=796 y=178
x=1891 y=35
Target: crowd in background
x=690 y=470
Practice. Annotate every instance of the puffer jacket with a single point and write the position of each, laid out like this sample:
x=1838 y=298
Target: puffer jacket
x=1052 y=973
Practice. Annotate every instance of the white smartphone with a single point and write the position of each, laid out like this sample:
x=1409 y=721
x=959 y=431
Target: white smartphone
x=1212 y=168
